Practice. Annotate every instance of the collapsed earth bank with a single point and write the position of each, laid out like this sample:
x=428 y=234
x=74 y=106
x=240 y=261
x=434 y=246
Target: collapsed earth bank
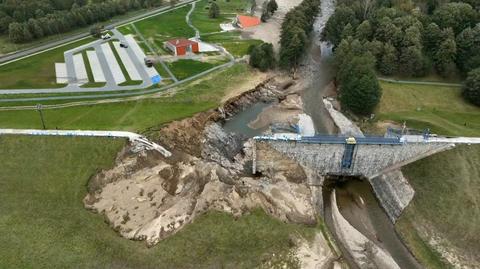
x=149 y=197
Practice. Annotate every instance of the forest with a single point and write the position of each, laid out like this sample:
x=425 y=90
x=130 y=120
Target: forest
x=401 y=38
x=27 y=20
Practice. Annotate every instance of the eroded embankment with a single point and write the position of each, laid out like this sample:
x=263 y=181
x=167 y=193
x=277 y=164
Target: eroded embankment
x=149 y=197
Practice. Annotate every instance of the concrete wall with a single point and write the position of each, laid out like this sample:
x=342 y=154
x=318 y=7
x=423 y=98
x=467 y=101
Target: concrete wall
x=325 y=159
x=394 y=192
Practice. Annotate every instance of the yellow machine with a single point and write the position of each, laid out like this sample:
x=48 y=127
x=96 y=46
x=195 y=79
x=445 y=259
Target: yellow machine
x=351 y=141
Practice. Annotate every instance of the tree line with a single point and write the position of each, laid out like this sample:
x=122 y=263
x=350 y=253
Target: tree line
x=26 y=20
x=400 y=39
x=295 y=31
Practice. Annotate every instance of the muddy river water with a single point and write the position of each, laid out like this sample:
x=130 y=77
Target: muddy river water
x=356 y=199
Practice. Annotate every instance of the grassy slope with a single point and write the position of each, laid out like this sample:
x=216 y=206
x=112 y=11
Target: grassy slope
x=134 y=115
x=446 y=184
x=441 y=109
x=44 y=224
x=36 y=71
x=447 y=187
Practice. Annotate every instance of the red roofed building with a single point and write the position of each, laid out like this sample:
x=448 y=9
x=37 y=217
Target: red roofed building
x=247 y=21
x=181 y=46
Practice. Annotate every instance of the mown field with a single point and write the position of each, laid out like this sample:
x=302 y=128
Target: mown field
x=447 y=184
x=183 y=69
x=44 y=224
x=37 y=71
x=442 y=109
x=163 y=27
x=228 y=11
x=135 y=115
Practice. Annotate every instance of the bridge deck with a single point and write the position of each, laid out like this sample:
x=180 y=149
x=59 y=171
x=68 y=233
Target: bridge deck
x=331 y=139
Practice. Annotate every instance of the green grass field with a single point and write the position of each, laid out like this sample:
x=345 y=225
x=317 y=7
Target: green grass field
x=232 y=42
x=183 y=69
x=442 y=109
x=446 y=197
x=135 y=115
x=165 y=26
x=44 y=224
x=228 y=11
x=36 y=71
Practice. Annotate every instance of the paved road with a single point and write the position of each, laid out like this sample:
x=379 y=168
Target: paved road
x=189 y=21
x=133 y=137
x=372 y=140
x=432 y=83
x=51 y=45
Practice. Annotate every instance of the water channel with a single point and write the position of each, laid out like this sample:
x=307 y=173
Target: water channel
x=355 y=198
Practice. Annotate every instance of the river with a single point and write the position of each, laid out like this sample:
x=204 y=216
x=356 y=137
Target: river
x=355 y=198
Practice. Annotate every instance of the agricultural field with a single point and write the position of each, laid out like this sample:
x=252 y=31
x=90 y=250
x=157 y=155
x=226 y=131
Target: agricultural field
x=42 y=208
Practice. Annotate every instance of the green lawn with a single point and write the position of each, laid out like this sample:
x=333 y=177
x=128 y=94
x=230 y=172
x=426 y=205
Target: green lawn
x=232 y=42
x=447 y=197
x=135 y=115
x=183 y=69
x=87 y=66
x=37 y=71
x=442 y=109
x=44 y=224
x=166 y=26
x=228 y=10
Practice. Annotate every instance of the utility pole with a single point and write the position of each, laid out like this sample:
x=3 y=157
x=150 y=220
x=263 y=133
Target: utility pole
x=39 y=109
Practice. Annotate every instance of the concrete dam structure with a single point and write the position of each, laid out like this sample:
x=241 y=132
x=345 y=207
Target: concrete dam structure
x=333 y=156
x=377 y=159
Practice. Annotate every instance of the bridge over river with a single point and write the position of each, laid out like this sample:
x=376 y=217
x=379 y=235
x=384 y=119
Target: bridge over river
x=361 y=156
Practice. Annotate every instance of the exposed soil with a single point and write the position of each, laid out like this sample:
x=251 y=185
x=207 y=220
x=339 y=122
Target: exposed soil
x=270 y=31
x=148 y=197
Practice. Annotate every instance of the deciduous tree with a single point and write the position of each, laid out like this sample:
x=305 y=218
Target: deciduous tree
x=471 y=88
